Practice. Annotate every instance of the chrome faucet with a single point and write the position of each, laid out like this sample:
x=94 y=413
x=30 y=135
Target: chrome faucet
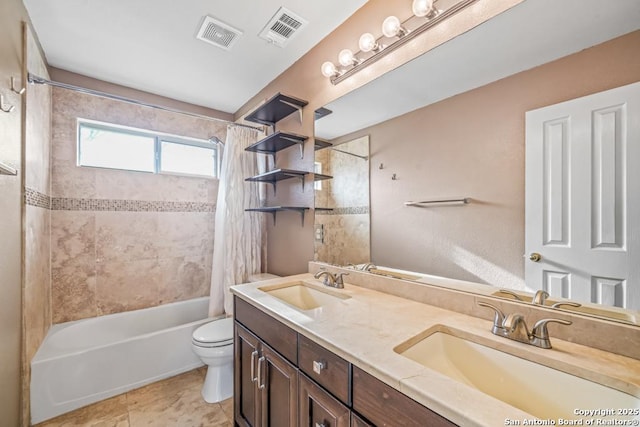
x=335 y=281
x=514 y=327
x=368 y=267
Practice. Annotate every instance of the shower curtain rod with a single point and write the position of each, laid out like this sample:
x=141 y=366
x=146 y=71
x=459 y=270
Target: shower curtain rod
x=33 y=79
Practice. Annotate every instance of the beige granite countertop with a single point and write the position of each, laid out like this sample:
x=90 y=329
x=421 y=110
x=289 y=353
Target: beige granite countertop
x=365 y=328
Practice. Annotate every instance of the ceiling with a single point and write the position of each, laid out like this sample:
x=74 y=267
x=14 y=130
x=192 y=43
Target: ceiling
x=150 y=45
x=531 y=33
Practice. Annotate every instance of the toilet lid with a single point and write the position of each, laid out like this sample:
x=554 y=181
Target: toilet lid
x=219 y=331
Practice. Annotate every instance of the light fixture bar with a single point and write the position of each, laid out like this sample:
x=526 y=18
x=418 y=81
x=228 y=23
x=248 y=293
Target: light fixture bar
x=401 y=41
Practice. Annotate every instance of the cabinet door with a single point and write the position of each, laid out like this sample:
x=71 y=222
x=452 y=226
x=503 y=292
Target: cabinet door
x=246 y=395
x=278 y=386
x=318 y=408
x=356 y=421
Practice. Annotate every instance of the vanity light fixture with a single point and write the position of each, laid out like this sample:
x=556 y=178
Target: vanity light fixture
x=392 y=27
x=395 y=33
x=368 y=43
x=346 y=58
x=329 y=70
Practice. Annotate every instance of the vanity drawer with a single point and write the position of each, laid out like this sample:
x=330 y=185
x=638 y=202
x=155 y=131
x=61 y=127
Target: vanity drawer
x=330 y=371
x=385 y=406
x=279 y=336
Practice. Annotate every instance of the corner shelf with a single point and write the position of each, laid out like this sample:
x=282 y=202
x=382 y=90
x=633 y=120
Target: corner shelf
x=275 y=109
x=321 y=177
x=278 y=141
x=319 y=144
x=275 y=209
x=276 y=175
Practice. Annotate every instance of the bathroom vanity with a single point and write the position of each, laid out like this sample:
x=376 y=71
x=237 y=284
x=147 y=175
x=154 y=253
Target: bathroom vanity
x=310 y=355
x=282 y=378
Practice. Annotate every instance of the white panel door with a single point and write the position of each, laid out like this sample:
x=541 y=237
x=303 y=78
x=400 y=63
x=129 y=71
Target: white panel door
x=583 y=198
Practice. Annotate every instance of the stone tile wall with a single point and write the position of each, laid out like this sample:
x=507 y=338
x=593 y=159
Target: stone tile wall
x=125 y=240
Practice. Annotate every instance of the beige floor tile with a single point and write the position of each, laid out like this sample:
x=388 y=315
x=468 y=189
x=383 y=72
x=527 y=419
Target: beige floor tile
x=110 y=412
x=227 y=408
x=184 y=409
x=165 y=389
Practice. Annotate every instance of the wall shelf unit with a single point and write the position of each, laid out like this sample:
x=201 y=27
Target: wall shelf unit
x=278 y=141
x=321 y=177
x=275 y=209
x=319 y=144
x=276 y=175
x=275 y=109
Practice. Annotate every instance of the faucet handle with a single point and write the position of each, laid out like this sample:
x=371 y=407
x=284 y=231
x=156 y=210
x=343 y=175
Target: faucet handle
x=498 y=317
x=540 y=297
x=338 y=278
x=540 y=333
x=569 y=303
x=510 y=292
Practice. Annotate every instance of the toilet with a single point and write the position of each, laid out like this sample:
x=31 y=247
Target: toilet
x=213 y=343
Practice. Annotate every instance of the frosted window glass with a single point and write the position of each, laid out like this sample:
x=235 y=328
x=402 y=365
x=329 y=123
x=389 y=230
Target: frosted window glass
x=187 y=159
x=117 y=150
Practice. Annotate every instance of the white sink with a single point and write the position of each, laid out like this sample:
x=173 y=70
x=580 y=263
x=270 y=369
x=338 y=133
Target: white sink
x=536 y=389
x=304 y=296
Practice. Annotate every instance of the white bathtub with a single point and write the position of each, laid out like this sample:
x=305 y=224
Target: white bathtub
x=88 y=360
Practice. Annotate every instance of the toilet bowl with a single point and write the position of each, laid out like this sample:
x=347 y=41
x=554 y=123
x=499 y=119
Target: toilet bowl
x=213 y=343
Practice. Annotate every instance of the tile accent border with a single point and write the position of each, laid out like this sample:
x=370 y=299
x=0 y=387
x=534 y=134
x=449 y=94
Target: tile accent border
x=122 y=205
x=35 y=198
x=352 y=210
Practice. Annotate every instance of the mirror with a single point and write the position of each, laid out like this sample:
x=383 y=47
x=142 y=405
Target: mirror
x=342 y=202
x=450 y=124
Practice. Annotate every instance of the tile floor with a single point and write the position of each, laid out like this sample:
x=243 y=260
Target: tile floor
x=174 y=402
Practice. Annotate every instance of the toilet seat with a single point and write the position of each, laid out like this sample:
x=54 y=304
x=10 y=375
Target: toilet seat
x=218 y=333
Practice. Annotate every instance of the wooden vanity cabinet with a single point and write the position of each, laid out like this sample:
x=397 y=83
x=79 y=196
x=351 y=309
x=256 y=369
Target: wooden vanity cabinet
x=318 y=408
x=385 y=406
x=283 y=379
x=265 y=372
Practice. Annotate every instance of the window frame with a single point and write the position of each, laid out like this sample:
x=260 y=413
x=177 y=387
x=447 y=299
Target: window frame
x=159 y=138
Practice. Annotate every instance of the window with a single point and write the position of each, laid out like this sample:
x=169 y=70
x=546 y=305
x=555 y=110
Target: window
x=109 y=146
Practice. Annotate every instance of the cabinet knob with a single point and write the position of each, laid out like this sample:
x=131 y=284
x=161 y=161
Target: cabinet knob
x=318 y=366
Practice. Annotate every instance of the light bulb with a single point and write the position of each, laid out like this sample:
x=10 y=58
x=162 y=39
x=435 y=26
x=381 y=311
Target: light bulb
x=345 y=58
x=391 y=27
x=368 y=43
x=422 y=7
x=328 y=69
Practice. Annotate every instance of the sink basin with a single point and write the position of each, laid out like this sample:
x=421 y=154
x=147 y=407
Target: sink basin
x=304 y=296
x=536 y=389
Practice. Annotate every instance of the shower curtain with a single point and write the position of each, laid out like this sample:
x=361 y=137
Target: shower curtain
x=238 y=235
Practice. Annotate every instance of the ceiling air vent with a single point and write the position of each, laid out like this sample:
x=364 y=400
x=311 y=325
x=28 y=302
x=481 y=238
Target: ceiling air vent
x=218 y=33
x=282 y=27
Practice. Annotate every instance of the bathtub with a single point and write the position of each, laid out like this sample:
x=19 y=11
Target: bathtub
x=85 y=361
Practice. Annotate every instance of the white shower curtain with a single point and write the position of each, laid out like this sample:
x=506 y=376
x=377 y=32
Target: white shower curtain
x=237 y=246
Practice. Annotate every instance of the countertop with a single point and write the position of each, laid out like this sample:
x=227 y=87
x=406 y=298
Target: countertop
x=365 y=329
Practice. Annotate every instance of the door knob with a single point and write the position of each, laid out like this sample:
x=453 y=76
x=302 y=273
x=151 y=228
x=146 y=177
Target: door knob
x=535 y=256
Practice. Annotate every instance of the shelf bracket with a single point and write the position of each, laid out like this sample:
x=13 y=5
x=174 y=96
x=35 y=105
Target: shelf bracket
x=297 y=107
x=7 y=170
x=274 y=217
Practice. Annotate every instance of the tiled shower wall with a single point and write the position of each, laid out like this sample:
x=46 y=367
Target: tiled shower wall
x=125 y=240
x=36 y=292
x=346 y=226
